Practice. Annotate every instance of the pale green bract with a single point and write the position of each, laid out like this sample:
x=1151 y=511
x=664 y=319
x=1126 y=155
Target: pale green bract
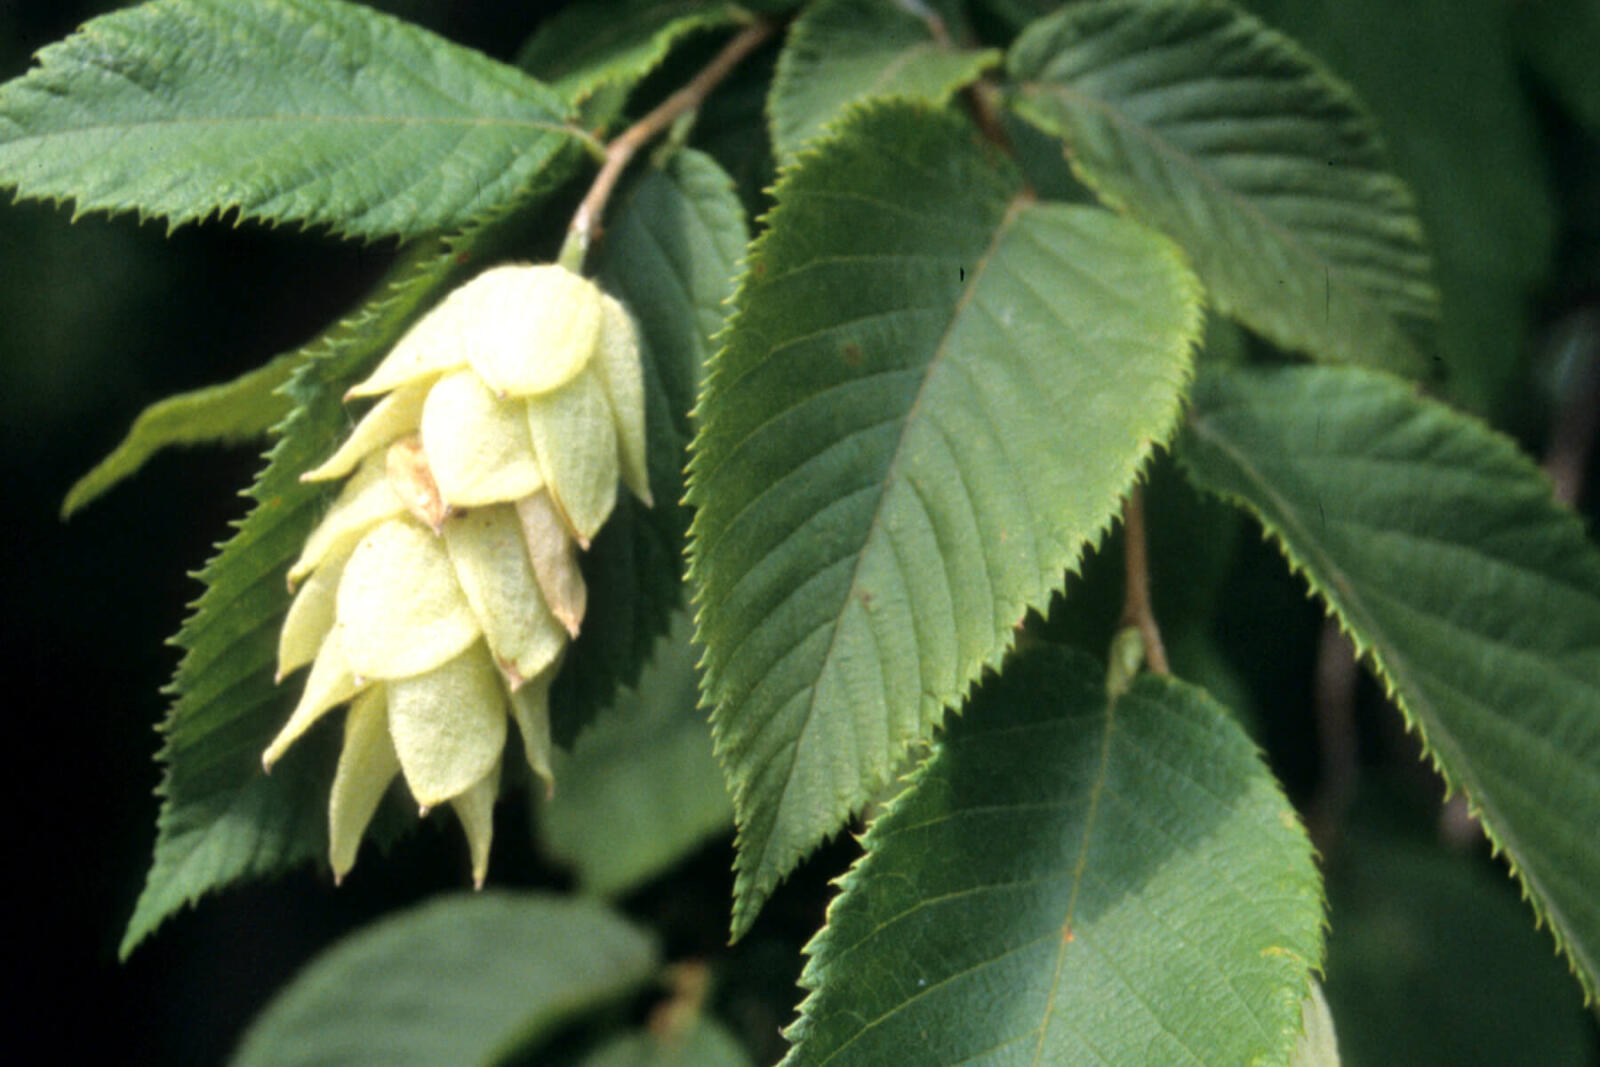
x=221 y=819
x=675 y=231
x=1196 y=118
x=1072 y=878
x=1318 y=1045
x=1477 y=597
x=933 y=395
x=315 y=112
x=671 y=251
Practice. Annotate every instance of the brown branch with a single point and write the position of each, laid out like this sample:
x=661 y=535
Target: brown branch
x=1334 y=710
x=620 y=151
x=1136 y=609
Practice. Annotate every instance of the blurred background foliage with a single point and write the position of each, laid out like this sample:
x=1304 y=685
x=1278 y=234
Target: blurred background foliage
x=1492 y=110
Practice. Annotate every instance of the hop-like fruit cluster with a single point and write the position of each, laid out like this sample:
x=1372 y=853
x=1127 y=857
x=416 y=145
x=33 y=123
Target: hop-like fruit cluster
x=438 y=594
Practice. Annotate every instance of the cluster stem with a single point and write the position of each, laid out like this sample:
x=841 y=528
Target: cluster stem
x=619 y=151
x=1136 y=607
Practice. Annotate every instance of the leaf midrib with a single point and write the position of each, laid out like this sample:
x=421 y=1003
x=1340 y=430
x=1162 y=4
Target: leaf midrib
x=453 y=122
x=1064 y=939
x=1013 y=210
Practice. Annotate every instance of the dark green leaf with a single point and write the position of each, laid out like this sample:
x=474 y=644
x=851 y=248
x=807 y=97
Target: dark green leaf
x=241 y=410
x=933 y=395
x=1449 y=91
x=1431 y=963
x=1476 y=596
x=461 y=980
x=641 y=788
x=840 y=52
x=1073 y=881
x=316 y=112
x=670 y=253
x=1198 y=119
x=732 y=128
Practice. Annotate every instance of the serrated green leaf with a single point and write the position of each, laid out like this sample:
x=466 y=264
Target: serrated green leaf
x=706 y=1045
x=1450 y=92
x=222 y=819
x=1072 y=881
x=1198 y=119
x=641 y=788
x=241 y=410
x=1477 y=597
x=840 y=52
x=316 y=112
x=670 y=254
x=933 y=395
x=459 y=980
x=614 y=43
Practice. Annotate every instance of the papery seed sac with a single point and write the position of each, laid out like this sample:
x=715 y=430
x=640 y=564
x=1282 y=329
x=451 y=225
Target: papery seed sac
x=437 y=596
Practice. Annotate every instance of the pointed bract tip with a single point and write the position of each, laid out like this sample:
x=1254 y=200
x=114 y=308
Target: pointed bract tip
x=513 y=677
x=422 y=811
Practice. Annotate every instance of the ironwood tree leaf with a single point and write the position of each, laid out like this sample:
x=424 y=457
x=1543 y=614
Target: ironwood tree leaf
x=932 y=396
x=1441 y=550
x=464 y=979
x=316 y=112
x=1072 y=878
x=1198 y=119
x=841 y=52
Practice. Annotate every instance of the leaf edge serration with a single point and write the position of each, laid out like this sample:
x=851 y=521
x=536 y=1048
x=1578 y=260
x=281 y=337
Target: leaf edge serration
x=1367 y=652
x=819 y=945
x=345 y=222
x=750 y=893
